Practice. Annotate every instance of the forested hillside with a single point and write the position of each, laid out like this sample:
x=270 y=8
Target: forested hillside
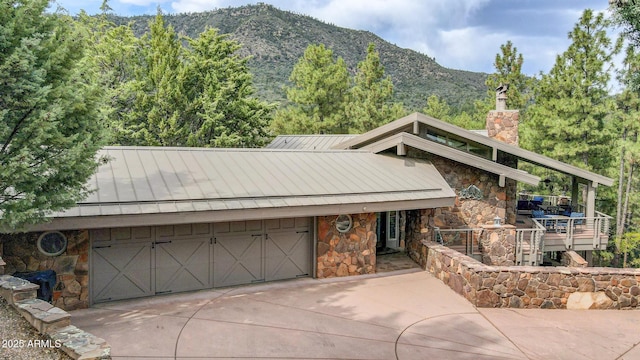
x=276 y=39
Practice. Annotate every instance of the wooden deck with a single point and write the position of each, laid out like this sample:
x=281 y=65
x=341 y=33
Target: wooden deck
x=583 y=236
x=582 y=240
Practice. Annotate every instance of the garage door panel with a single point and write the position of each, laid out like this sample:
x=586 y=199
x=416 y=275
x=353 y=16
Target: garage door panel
x=183 y=265
x=287 y=255
x=237 y=260
x=121 y=272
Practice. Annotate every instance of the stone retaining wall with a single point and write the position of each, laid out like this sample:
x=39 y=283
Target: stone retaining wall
x=529 y=286
x=51 y=321
x=349 y=253
x=72 y=267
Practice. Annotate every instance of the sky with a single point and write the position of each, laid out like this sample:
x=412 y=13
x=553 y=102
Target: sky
x=459 y=34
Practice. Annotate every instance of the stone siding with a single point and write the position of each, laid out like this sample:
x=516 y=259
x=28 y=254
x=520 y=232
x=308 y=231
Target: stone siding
x=498 y=245
x=71 y=267
x=502 y=125
x=465 y=213
x=418 y=229
x=470 y=212
x=529 y=286
x=349 y=253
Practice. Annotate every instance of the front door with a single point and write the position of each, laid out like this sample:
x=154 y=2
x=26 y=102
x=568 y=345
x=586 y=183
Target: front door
x=387 y=231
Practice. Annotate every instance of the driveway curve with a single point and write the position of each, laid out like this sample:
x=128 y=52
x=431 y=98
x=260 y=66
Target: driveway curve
x=399 y=315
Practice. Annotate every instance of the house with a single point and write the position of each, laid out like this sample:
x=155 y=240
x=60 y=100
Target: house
x=166 y=220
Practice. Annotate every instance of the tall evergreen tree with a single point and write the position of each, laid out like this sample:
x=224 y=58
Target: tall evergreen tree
x=318 y=95
x=114 y=53
x=437 y=108
x=370 y=102
x=50 y=129
x=567 y=121
x=159 y=95
x=222 y=111
x=626 y=126
x=508 y=65
x=168 y=91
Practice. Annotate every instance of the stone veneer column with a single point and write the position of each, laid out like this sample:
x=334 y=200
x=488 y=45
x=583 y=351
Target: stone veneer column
x=502 y=125
x=349 y=253
x=498 y=244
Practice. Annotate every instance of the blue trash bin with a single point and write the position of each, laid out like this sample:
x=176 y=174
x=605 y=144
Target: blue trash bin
x=46 y=279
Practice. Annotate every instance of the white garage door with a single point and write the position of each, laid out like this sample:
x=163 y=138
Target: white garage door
x=134 y=262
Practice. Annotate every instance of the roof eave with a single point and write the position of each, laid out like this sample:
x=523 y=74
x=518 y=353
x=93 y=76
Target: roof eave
x=453 y=154
x=106 y=221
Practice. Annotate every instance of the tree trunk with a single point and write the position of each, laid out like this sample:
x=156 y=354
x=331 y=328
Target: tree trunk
x=627 y=195
x=619 y=221
x=625 y=208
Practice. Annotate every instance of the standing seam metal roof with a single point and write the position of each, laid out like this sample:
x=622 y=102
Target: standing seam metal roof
x=147 y=180
x=309 y=142
x=412 y=120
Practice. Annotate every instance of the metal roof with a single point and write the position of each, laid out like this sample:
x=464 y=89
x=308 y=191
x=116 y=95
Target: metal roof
x=308 y=142
x=234 y=184
x=448 y=152
x=411 y=124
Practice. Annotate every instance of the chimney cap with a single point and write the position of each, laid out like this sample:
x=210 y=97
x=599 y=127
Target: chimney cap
x=501 y=96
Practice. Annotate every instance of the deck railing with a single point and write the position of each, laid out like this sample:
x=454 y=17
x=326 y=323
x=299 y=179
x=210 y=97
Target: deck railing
x=465 y=241
x=577 y=233
x=530 y=245
x=547 y=234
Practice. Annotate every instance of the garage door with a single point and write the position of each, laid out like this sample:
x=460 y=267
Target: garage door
x=134 y=262
x=287 y=248
x=183 y=258
x=261 y=250
x=121 y=264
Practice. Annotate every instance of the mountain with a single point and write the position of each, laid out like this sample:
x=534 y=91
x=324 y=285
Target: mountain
x=276 y=39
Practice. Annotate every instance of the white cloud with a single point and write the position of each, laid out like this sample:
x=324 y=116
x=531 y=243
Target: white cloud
x=463 y=34
x=142 y=2
x=195 y=5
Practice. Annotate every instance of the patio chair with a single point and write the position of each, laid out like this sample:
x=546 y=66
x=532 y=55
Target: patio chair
x=537 y=200
x=538 y=214
x=577 y=222
x=566 y=210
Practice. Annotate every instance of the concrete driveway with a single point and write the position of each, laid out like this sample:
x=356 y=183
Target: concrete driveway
x=400 y=315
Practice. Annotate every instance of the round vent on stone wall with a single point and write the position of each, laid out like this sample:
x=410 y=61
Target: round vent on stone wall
x=52 y=243
x=343 y=223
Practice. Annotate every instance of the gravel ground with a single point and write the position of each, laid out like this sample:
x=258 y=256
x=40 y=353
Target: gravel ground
x=19 y=340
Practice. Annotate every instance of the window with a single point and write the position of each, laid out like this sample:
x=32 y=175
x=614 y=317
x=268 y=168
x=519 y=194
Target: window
x=457 y=143
x=52 y=243
x=392 y=225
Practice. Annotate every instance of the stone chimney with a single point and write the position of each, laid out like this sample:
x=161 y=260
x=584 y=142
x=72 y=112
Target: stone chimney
x=502 y=124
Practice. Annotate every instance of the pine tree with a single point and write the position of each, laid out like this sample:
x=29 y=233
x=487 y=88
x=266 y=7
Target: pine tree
x=508 y=65
x=113 y=52
x=159 y=94
x=318 y=95
x=626 y=126
x=222 y=111
x=50 y=129
x=567 y=121
x=370 y=102
x=161 y=91
x=437 y=108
